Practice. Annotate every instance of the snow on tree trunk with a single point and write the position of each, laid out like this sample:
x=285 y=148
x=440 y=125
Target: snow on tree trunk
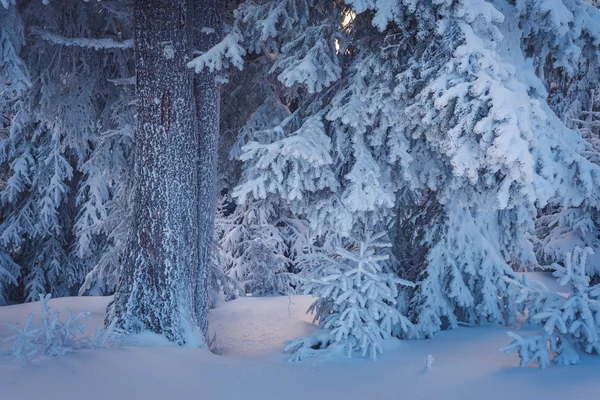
x=207 y=16
x=159 y=281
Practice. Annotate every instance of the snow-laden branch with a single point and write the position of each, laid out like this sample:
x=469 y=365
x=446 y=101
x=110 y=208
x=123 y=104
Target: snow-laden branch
x=123 y=81
x=97 y=44
x=227 y=51
x=6 y=3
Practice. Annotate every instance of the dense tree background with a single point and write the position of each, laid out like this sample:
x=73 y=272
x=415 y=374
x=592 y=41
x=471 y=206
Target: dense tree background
x=398 y=160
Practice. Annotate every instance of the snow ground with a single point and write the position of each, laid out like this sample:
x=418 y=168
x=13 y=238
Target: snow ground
x=250 y=333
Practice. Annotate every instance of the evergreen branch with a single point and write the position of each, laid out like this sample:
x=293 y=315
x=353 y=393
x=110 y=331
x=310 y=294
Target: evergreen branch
x=97 y=44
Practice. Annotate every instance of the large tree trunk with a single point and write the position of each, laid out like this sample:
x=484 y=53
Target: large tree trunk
x=206 y=32
x=159 y=284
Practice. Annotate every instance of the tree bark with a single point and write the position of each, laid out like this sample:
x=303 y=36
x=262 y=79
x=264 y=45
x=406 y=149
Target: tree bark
x=161 y=278
x=206 y=31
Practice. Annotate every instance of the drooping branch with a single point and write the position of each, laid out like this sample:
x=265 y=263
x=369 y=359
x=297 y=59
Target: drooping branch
x=97 y=44
x=123 y=81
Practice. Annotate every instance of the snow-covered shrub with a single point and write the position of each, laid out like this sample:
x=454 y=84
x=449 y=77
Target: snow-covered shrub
x=464 y=279
x=306 y=347
x=219 y=282
x=55 y=337
x=356 y=295
x=570 y=324
x=255 y=251
x=221 y=286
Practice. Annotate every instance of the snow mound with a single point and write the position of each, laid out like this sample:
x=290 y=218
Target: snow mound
x=250 y=326
x=253 y=326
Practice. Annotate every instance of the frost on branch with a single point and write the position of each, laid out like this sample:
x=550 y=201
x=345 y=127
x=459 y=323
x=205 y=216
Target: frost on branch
x=96 y=44
x=222 y=55
x=290 y=167
x=55 y=337
x=313 y=66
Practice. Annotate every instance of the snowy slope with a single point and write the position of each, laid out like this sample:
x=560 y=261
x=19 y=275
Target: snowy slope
x=250 y=332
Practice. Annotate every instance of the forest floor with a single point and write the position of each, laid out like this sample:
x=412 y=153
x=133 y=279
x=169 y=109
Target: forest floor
x=250 y=364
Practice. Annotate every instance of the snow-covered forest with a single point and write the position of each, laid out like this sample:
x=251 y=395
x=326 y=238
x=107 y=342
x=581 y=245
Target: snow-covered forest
x=415 y=166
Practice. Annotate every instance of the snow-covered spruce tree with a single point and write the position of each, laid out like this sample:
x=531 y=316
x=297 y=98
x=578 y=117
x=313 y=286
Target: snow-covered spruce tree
x=14 y=83
x=106 y=196
x=291 y=163
x=161 y=286
x=256 y=249
x=570 y=324
x=99 y=217
x=254 y=102
x=104 y=191
x=390 y=123
x=561 y=229
x=568 y=64
x=464 y=278
x=247 y=100
x=262 y=238
x=484 y=132
x=440 y=99
x=248 y=93
x=440 y=128
x=435 y=111
x=356 y=294
x=54 y=197
x=221 y=285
